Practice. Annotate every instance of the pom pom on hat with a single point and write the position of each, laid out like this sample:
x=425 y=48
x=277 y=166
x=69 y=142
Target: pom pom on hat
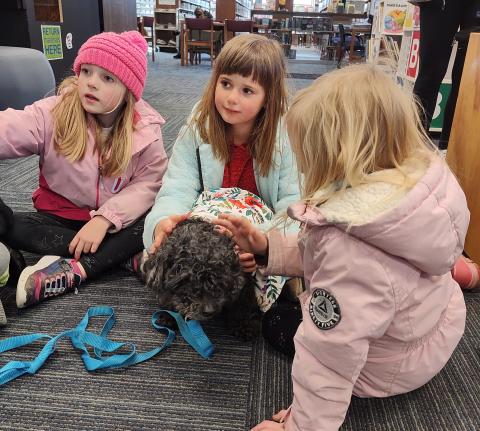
x=123 y=54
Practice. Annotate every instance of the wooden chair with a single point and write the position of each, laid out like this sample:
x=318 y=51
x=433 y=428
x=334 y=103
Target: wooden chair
x=357 y=32
x=234 y=26
x=195 y=29
x=343 y=46
x=148 y=22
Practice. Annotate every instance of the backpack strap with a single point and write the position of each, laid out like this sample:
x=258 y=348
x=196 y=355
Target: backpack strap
x=199 y=165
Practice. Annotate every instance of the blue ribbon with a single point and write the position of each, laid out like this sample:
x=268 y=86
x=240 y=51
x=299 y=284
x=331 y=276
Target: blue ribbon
x=81 y=338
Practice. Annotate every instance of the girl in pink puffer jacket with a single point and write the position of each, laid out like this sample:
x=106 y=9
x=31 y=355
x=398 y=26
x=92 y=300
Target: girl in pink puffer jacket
x=101 y=160
x=384 y=220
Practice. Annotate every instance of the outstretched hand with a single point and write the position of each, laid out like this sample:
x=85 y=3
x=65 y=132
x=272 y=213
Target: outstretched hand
x=248 y=238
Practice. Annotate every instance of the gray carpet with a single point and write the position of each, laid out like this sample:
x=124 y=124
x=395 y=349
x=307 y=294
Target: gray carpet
x=177 y=390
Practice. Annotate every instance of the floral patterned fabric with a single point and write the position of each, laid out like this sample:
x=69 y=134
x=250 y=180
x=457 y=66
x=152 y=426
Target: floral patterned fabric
x=242 y=203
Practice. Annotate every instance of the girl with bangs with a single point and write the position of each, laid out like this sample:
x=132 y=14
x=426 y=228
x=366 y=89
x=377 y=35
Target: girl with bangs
x=101 y=164
x=234 y=138
x=383 y=222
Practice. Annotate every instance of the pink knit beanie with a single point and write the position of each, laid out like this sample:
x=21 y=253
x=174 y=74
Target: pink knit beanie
x=123 y=54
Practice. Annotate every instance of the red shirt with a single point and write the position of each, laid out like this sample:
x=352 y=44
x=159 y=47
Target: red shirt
x=239 y=170
x=46 y=200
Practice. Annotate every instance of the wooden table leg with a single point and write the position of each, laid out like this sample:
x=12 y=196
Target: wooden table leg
x=182 y=46
x=352 y=46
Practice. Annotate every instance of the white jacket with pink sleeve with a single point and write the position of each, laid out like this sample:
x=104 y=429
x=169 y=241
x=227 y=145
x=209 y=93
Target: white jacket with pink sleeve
x=79 y=185
x=381 y=313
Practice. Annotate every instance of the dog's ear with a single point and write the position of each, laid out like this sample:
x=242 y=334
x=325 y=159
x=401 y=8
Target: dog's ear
x=243 y=317
x=178 y=280
x=6 y=217
x=152 y=270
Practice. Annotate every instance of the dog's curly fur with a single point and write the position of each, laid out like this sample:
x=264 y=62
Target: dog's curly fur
x=196 y=272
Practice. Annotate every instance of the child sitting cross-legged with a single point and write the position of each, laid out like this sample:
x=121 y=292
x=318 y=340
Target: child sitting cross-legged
x=101 y=161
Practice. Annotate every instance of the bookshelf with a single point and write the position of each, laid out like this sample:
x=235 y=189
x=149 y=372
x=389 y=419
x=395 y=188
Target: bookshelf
x=233 y=9
x=168 y=14
x=337 y=17
x=145 y=7
x=243 y=8
x=290 y=28
x=166 y=27
x=387 y=28
x=187 y=7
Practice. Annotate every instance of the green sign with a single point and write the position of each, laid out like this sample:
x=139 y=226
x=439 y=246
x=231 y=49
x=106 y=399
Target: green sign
x=437 y=119
x=52 y=41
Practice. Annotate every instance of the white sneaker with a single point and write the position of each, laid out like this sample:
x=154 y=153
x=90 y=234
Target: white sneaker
x=51 y=276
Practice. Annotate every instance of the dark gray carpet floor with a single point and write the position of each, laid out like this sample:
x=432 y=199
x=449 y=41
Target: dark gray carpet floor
x=177 y=390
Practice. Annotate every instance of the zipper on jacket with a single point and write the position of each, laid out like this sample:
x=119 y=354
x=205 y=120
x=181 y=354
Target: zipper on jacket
x=97 y=199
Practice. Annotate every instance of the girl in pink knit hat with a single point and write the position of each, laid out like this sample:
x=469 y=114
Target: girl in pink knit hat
x=101 y=164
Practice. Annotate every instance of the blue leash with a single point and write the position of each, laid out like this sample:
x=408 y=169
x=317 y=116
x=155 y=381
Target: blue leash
x=191 y=331
x=80 y=338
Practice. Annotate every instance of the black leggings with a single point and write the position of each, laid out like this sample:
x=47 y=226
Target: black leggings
x=439 y=24
x=47 y=234
x=280 y=323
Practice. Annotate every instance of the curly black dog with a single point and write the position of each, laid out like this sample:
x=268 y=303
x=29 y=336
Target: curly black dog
x=196 y=272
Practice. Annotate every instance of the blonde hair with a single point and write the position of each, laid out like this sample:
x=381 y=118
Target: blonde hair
x=71 y=124
x=262 y=59
x=355 y=126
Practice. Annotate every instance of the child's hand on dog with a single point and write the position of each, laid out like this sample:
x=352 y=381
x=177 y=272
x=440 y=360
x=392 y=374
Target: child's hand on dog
x=165 y=228
x=247 y=261
x=246 y=236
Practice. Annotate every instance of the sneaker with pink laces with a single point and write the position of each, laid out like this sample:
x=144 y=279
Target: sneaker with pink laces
x=51 y=276
x=466 y=273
